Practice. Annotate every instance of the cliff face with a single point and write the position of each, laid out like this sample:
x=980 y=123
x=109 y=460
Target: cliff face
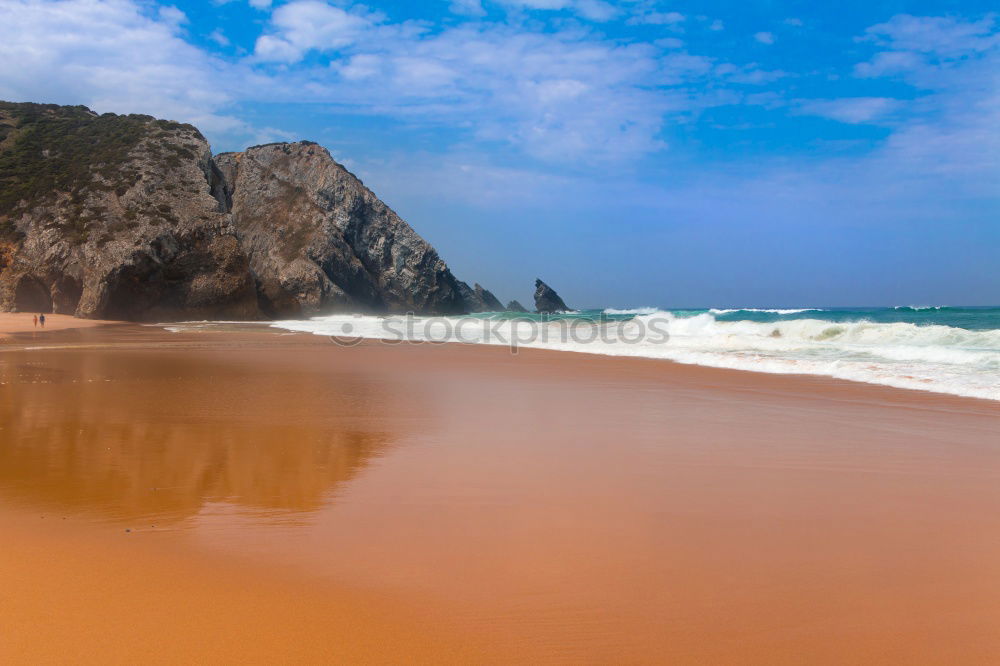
x=318 y=239
x=479 y=299
x=111 y=216
x=131 y=217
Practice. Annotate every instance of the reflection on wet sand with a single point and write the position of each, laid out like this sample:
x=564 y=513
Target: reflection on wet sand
x=131 y=435
x=378 y=503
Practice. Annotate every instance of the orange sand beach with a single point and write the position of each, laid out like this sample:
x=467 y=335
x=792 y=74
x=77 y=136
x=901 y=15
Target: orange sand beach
x=249 y=496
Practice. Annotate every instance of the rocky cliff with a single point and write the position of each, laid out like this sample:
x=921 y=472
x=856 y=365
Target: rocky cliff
x=547 y=300
x=111 y=216
x=319 y=240
x=479 y=299
x=131 y=217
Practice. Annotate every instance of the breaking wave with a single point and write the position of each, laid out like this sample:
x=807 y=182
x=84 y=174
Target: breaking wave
x=924 y=356
x=768 y=310
x=633 y=311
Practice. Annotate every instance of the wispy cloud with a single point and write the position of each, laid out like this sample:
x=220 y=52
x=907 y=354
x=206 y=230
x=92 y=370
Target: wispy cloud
x=219 y=37
x=850 y=109
x=562 y=95
x=468 y=7
x=305 y=25
x=557 y=95
x=943 y=36
x=112 y=56
x=582 y=108
x=657 y=18
x=593 y=10
x=920 y=48
x=952 y=65
x=256 y=4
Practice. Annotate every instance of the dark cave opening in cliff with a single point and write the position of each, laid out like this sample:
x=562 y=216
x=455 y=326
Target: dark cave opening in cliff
x=66 y=293
x=32 y=296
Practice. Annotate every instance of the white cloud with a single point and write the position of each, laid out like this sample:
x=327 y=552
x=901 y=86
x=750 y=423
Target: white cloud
x=171 y=15
x=670 y=43
x=794 y=22
x=749 y=74
x=419 y=75
x=889 y=62
x=919 y=48
x=943 y=152
x=555 y=97
x=953 y=64
x=716 y=25
x=308 y=24
x=567 y=95
x=587 y=106
x=947 y=37
x=596 y=10
x=657 y=18
x=219 y=38
x=361 y=66
x=563 y=96
x=537 y=4
x=256 y=4
x=468 y=7
x=764 y=37
x=850 y=109
x=259 y=135
x=112 y=57
x=592 y=10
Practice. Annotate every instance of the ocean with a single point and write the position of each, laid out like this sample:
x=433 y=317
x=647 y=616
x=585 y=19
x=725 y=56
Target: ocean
x=953 y=350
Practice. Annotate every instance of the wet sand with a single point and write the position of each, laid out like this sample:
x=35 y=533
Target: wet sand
x=289 y=500
x=21 y=322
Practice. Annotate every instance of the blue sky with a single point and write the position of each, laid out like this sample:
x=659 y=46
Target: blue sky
x=629 y=152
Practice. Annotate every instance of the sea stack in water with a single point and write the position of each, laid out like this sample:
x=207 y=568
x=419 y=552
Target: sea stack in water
x=547 y=300
x=130 y=217
x=515 y=306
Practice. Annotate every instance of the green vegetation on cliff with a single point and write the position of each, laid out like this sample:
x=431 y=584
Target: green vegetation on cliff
x=46 y=149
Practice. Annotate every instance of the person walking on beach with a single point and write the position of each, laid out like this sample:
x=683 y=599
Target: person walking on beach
x=41 y=320
x=36 y=321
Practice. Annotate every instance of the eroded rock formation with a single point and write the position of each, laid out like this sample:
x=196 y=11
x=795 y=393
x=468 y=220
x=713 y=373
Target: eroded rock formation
x=132 y=217
x=547 y=300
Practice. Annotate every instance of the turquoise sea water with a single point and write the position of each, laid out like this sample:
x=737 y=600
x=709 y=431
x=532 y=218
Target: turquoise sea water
x=971 y=318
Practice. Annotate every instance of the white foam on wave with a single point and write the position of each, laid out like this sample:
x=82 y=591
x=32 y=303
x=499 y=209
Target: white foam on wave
x=929 y=357
x=780 y=311
x=632 y=311
x=925 y=357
